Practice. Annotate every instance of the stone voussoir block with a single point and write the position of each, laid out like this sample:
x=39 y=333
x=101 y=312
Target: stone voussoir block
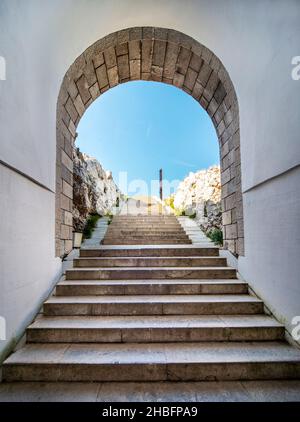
x=134 y=50
x=171 y=56
x=83 y=88
x=102 y=76
x=122 y=49
x=183 y=60
x=159 y=51
x=110 y=57
x=123 y=67
x=78 y=103
x=135 y=69
x=190 y=78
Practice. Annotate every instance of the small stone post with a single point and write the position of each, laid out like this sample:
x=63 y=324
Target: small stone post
x=160 y=189
x=161 y=184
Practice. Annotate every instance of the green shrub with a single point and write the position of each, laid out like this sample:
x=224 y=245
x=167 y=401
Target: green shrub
x=179 y=212
x=169 y=202
x=90 y=225
x=216 y=235
x=109 y=215
x=193 y=215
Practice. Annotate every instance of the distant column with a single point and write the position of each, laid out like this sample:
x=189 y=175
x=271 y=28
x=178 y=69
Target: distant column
x=161 y=184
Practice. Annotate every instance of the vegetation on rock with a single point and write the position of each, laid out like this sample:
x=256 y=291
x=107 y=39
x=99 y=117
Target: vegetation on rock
x=199 y=196
x=94 y=190
x=216 y=235
x=90 y=225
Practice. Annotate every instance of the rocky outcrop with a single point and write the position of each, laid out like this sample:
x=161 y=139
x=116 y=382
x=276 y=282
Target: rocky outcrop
x=94 y=189
x=199 y=195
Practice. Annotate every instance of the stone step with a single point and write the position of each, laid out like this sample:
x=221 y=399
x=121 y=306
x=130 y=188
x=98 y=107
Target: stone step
x=171 y=237
x=150 y=287
x=153 y=305
x=153 y=362
x=146 y=226
x=151 y=224
x=150 y=235
x=184 y=250
x=145 y=241
x=148 y=223
x=201 y=244
x=150 y=273
x=144 y=217
x=158 y=228
x=209 y=261
x=153 y=329
x=154 y=222
x=195 y=234
x=141 y=230
x=143 y=223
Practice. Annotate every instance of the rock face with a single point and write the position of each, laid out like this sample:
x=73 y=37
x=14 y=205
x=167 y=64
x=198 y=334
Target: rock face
x=94 y=190
x=200 y=193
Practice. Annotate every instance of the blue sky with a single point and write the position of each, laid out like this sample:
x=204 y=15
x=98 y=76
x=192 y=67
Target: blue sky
x=140 y=127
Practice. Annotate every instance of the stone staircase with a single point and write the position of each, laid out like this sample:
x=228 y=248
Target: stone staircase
x=159 y=310
x=145 y=230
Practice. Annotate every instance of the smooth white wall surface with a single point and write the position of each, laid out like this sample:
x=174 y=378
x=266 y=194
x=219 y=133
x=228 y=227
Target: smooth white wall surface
x=28 y=268
x=272 y=227
x=255 y=40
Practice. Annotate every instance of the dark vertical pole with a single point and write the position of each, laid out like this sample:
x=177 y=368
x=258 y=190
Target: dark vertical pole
x=161 y=184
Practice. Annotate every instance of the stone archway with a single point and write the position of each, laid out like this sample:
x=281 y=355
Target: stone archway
x=156 y=54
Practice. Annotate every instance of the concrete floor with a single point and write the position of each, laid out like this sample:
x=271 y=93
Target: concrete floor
x=257 y=391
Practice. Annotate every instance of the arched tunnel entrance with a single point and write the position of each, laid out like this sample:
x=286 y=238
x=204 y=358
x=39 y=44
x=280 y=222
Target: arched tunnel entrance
x=153 y=54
